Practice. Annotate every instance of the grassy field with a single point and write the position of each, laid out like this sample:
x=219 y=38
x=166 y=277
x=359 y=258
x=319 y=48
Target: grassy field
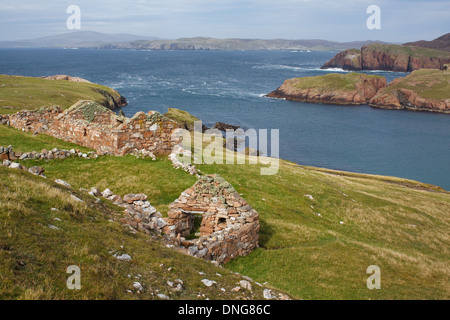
x=18 y=93
x=38 y=244
x=312 y=249
x=432 y=84
x=331 y=81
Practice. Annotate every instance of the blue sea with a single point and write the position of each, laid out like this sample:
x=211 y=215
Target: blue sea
x=228 y=86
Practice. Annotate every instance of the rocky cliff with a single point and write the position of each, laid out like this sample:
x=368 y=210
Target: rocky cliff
x=343 y=89
x=422 y=90
x=389 y=57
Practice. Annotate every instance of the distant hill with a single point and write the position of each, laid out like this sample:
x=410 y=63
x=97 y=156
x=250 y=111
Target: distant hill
x=76 y=39
x=441 y=43
x=203 y=43
x=91 y=39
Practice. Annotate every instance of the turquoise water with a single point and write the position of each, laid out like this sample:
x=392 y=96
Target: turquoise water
x=229 y=87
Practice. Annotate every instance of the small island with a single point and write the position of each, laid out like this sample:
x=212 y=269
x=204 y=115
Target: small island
x=341 y=89
x=422 y=90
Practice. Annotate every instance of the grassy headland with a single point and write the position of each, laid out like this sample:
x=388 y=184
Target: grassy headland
x=19 y=93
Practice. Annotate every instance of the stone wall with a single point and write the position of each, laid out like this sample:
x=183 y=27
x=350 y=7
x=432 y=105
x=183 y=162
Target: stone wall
x=229 y=226
x=92 y=125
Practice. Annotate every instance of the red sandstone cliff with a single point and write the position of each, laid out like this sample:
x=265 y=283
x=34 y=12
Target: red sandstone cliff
x=364 y=88
x=389 y=57
x=423 y=90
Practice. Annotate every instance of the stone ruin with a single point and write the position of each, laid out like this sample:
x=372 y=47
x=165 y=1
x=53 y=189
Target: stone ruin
x=92 y=125
x=229 y=226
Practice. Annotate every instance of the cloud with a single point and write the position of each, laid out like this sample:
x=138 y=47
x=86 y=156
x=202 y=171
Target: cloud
x=343 y=20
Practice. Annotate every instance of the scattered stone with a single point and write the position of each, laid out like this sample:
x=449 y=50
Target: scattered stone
x=75 y=198
x=245 y=284
x=208 y=283
x=63 y=183
x=310 y=197
x=123 y=257
x=179 y=288
x=138 y=286
x=53 y=227
x=267 y=294
x=96 y=191
x=36 y=170
x=162 y=296
x=15 y=165
x=107 y=193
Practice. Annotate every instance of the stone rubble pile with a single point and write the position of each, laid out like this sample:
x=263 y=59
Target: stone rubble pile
x=37 y=171
x=138 y=213
x=142 y=154
x=7 y=153
x=177 y=163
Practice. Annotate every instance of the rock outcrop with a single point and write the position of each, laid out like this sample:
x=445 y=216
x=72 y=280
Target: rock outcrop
x=389 y=57
x=343 y=89
x=422 y=90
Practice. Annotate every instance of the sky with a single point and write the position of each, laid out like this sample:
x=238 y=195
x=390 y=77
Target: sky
x=343 y=20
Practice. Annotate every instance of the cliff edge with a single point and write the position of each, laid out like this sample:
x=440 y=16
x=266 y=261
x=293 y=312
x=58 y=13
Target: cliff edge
x=422 y=90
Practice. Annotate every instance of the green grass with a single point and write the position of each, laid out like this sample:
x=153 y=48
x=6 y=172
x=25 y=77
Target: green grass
x=182 y=117
x=34 y=257
x=32 y=93
x=432 y=84
x=316 y=257
x=400 y=225
x=122 y=175
x=345 y=82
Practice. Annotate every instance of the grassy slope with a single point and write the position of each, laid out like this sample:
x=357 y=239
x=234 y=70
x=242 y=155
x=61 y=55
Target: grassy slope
x=433 y=84
x=182 y=117
x=390 y=222
x=34 y=257
x=331 y=81
x=317 y=257
x=33 y=93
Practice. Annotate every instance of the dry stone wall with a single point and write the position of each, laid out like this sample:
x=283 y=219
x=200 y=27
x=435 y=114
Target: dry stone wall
x=229 y=226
